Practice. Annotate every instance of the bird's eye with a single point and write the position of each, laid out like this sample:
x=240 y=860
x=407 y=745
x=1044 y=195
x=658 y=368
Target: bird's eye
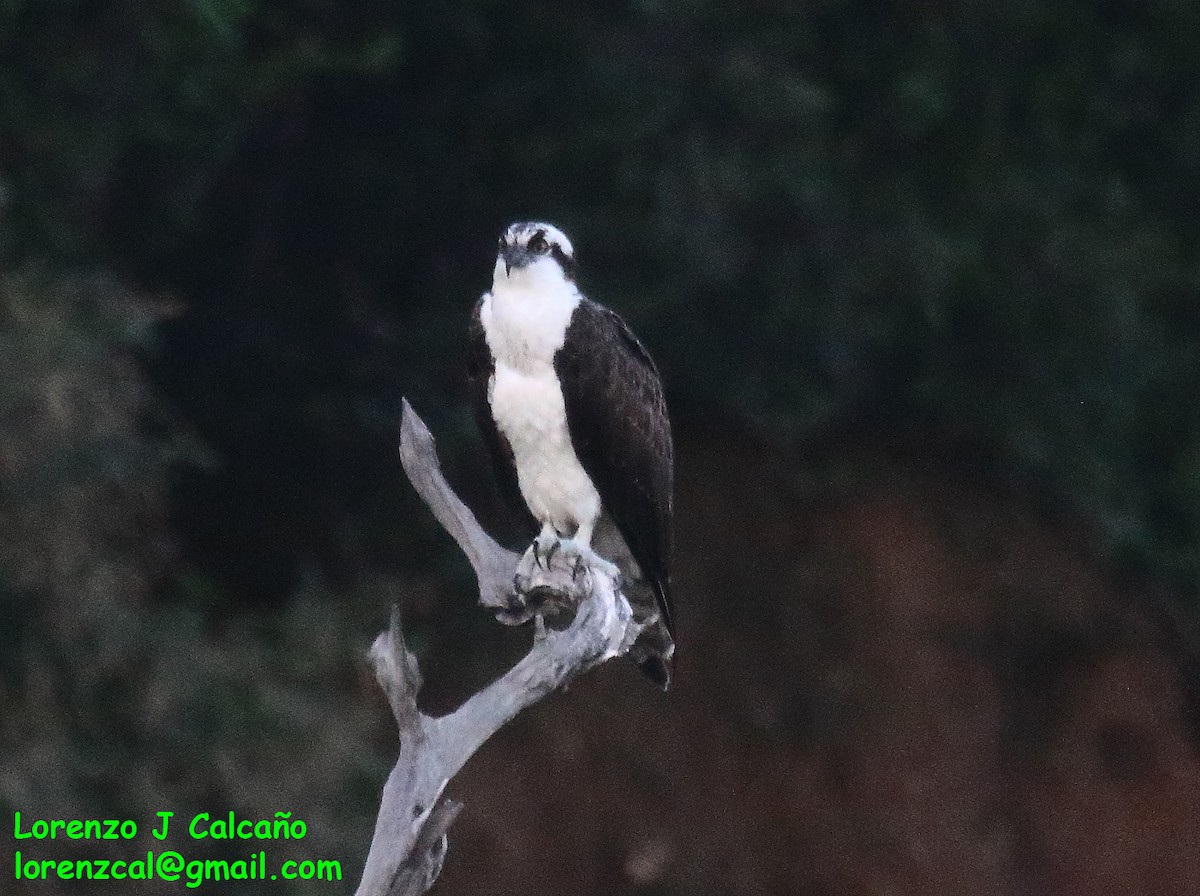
x=538 y=244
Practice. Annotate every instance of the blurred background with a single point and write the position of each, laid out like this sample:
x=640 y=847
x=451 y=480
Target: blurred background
x=922 y=281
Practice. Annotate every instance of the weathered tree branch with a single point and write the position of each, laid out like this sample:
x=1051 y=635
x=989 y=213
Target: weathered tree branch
x=409 y=844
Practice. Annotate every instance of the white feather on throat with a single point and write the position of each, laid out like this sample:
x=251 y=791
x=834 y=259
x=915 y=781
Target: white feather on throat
x=525 y=320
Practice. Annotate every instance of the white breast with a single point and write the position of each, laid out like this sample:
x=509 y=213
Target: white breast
x=524 y=329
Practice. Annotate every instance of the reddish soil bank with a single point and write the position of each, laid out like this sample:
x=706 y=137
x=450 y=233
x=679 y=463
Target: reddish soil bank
x=916 y=686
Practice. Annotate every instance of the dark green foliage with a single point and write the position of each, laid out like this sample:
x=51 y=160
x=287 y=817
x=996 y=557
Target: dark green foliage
x=116 y=701
x=959 y=222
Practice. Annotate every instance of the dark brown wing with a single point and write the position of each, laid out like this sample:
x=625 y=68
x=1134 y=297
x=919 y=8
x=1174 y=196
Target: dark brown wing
x=480 y=367
x=620 y=431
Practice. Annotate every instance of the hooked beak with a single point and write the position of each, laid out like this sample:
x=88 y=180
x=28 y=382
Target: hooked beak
x=515 y=257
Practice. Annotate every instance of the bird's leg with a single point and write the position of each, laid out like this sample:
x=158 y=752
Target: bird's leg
x=544 y=546
x=532 y=566
x=543 y=585
x=579 y=556
x=536 y=569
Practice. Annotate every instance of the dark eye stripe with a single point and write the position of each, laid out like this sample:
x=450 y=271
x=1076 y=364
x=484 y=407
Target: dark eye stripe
x=565 y=262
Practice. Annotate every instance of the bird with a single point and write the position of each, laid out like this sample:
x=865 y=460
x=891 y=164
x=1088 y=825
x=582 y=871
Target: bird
x=571 y=407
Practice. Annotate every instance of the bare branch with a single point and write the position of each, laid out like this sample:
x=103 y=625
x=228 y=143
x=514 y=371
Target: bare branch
x=420 y=868
x=397 y=673
x=493 y=563
x=409 y=844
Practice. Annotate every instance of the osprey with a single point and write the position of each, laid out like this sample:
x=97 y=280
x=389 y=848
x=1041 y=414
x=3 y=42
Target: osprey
x=571 y=408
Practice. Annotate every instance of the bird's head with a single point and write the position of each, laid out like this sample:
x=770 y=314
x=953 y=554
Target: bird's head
x=530 y=251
